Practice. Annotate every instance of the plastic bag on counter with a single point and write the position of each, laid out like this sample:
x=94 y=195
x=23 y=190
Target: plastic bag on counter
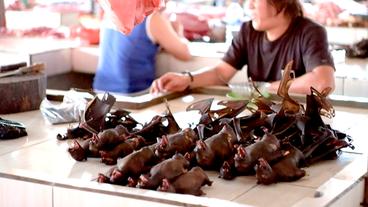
x=70 y=110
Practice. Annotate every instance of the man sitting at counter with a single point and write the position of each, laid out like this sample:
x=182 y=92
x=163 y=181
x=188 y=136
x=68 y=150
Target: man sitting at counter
x=277 y=33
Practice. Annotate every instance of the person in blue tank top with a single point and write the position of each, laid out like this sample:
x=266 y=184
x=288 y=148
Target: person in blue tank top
x=127 y=62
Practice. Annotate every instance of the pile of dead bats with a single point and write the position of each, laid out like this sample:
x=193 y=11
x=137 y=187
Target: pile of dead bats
x=274 y=141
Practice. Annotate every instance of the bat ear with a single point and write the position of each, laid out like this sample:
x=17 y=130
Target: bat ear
x=262 y=161
x=165 y=183
x=285 y=81
x=188 y=156
x=242 y=152
x=326 y=91
x=143 y=179
x=203 y=106
x=164 y=140
x=201 y=145
x=226 y=165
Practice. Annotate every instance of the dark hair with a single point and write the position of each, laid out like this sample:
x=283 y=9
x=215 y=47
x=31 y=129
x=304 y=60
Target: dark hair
x=292 y=8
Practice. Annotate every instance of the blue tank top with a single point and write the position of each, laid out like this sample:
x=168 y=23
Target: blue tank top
x=127 y=62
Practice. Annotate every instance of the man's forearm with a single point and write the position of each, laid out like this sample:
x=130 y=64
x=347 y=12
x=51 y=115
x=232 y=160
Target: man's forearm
x=320 y=79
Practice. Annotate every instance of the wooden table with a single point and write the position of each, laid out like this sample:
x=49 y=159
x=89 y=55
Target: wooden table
x=37 y=170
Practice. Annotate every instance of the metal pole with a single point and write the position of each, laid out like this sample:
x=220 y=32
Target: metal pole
x=2 y=14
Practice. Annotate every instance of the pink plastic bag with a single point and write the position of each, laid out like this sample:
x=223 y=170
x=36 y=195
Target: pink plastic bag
x=125 y=14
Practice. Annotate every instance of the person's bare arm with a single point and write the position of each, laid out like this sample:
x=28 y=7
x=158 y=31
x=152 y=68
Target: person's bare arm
x=218 y=75
x=165 y=35
x=320 y=78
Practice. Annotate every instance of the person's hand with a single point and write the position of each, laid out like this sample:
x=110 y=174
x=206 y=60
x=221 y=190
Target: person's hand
x=125 y=14
x=170 y=82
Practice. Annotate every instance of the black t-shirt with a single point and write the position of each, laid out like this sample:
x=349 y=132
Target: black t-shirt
x=304 y=42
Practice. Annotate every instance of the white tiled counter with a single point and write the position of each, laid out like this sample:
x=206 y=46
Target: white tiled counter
x=40 y=170
x=14 y=192
x=353 y=76
x=56 y=54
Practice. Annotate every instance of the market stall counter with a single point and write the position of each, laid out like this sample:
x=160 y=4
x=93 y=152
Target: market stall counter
x=37 y=170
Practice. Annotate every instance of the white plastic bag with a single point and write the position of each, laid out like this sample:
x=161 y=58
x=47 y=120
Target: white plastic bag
x=70 y=110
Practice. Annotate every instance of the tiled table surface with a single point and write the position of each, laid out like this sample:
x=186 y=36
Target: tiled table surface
x=41 y=157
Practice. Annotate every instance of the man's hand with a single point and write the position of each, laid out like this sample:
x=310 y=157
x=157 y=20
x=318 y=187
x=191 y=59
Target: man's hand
x=170 y=82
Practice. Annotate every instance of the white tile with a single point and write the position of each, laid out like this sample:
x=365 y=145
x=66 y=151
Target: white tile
x=34 y=45
x=69 y=197
x=37 y=128
x=51 y=159
x=352 y=198
x=322 y=171
x=229 y=189
x=13 y=57
x=280 y=194
x=124 y=196
x=356 y=87
x=20 y=193
x=339 y=86
x=85 y=59
x=346 y=119
x=56 y=61
x=326 y=194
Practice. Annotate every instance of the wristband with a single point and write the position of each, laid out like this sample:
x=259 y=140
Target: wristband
x=189 y=74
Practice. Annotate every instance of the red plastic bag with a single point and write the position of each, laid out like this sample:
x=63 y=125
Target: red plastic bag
x=125 y=14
